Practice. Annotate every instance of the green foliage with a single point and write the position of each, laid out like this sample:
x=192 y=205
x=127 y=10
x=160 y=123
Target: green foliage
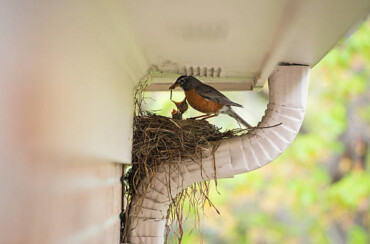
x=357 y=235
x=351 y=190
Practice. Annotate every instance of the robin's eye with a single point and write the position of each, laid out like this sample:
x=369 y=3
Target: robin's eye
x=182 y=81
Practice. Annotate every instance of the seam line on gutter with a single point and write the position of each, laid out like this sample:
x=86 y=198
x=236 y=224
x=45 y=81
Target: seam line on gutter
x=243 y=152
x=254 y=153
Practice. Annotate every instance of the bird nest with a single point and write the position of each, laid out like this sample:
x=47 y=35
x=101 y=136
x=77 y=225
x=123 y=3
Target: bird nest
x=158 y=139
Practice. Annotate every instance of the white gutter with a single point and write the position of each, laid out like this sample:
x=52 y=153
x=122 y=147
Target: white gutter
x=288 y=87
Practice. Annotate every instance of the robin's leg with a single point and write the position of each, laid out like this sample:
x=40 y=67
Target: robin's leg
x=201 y=116
x=210 y=116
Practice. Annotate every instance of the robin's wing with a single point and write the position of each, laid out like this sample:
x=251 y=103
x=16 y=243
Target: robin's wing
x=212 y=94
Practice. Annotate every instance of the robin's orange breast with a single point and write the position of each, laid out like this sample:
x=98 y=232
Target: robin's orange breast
x=202 y=104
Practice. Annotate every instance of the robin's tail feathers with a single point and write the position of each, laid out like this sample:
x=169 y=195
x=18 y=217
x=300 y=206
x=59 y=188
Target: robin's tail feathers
x=232 y=113
x=236 y=104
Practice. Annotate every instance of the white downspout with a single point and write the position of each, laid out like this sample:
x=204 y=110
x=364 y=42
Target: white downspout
x=288 y=87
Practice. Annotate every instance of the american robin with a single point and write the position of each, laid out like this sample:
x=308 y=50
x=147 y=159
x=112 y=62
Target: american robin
x=207 y=99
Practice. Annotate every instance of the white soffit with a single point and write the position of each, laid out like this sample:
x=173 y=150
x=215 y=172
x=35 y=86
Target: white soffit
x=235 y=45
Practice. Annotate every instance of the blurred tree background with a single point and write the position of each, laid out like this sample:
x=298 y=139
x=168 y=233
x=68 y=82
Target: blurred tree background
x=318 y=191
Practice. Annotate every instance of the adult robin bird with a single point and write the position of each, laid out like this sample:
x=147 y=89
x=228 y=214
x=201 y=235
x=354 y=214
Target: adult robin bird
x=207 y=99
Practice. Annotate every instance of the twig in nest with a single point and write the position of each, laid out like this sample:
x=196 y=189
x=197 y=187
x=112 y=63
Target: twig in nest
x=267 y=127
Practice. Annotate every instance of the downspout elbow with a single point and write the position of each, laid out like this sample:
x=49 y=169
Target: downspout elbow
x=288 y=88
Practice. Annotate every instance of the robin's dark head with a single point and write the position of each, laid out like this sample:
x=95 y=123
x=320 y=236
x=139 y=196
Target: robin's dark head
x=186 y=82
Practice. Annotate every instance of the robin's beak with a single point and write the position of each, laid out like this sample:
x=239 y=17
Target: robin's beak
x=174 y=85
